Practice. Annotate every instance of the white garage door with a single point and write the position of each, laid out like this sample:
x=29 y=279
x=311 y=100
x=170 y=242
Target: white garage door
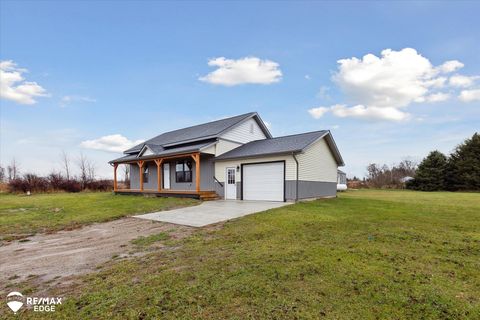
x=263 y=181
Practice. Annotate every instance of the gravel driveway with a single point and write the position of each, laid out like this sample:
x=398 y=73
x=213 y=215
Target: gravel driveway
x=66 y=253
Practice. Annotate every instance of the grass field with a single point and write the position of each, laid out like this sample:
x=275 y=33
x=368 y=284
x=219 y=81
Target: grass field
x=22 y=215
x=365 y=255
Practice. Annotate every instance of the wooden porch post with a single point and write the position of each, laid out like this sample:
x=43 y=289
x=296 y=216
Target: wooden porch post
x=196 y=157
x=159 y=174
x=115 y=166
x=140 y=166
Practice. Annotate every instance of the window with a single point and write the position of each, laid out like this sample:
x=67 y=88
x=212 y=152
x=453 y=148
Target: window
x=145 y=174
x=252 y=128
x=183 y=171
x=231 y=176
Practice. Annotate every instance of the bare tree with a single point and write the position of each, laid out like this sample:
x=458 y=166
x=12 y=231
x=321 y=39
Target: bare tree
x=65 y=163
x=2 y=174
x=390 y=177
x=126 y=172
x=90 y=170
x=13 y=170
x=82 y=163
x=126 y=175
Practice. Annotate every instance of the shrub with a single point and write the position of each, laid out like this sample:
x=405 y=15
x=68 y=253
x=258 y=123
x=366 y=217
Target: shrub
x=99 y=185
x=36 y=183
x=56 y=180
x=29 y=182
x=71 y=186
x=17 y=185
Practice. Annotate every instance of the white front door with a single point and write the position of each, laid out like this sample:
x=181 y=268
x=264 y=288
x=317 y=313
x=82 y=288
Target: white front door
x=230 y=184
x=166 y=176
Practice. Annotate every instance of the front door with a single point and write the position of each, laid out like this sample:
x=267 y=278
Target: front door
x=230 y=185
x=166 y=176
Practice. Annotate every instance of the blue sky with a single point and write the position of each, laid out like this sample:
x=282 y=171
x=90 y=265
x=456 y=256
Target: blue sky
x=131 y=70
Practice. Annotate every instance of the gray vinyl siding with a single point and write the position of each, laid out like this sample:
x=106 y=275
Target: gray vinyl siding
x=219 y=188
x=306 y=190
x=310 y=189
x=135 y=176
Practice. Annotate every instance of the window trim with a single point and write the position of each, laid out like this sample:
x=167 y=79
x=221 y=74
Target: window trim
x=180 y=176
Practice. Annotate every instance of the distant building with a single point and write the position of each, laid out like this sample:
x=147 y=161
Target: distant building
x=341 y=180
x=406 y=179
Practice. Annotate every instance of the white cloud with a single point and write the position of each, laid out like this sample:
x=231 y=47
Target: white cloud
x=317 y=113
x=14 y=87
x=436 y=97
x=66 y=100
x=450 y=66
x=307 y=77
x=245 y=70
x=469 y=95
x=110 y=143
x=394 y=80
x=462 y=81
x=363 y=112
x=380 y=87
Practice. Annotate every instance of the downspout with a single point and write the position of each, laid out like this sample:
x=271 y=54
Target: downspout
x=296 y=181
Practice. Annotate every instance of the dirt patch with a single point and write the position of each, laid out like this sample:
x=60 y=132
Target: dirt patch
x=57 y=257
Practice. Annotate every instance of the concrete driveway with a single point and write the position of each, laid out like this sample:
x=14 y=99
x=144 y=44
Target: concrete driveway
x=210 y=212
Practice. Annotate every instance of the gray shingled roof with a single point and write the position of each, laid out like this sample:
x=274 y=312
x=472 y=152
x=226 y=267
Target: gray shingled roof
x=159 y=151
x=286 y=144
x=199 y=132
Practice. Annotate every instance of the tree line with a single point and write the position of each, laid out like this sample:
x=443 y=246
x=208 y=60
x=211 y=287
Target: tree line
x=389 y=177
x=459 y=171
x=62 y=180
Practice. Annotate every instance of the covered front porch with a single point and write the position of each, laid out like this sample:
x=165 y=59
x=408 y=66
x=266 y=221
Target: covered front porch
x=183 y=175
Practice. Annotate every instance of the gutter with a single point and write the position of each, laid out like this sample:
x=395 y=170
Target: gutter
x=296 y=181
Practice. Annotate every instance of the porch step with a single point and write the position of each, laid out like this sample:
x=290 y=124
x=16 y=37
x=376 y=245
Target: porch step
x=208 y=196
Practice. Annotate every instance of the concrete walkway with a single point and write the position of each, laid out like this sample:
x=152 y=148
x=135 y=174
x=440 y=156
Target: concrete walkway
x=210 y=212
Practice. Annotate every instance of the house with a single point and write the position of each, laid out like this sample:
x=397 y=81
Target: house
x=341 y=180
x=233 y=158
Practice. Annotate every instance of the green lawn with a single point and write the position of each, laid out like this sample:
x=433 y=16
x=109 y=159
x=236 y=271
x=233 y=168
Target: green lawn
x=364 y=255
x=22 y=215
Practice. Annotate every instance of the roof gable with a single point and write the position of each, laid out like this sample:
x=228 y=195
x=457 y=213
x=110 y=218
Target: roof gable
x=146 y=150
x=281 y=145
x=199 y=132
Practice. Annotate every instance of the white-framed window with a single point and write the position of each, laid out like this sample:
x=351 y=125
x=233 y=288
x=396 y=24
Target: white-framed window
x=183 y=171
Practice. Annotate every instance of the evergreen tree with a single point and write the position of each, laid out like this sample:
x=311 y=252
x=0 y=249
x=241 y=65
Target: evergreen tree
x=463 y=169
x=430 y=175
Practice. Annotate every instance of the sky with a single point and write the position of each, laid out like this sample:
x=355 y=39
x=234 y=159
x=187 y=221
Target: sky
x=392 y=81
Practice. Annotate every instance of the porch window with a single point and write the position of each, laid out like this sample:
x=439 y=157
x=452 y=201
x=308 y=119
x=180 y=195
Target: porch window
x=145 y=174
x=183 y=171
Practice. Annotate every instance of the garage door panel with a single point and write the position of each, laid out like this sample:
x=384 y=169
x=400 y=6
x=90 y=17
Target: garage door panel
x=264 y=181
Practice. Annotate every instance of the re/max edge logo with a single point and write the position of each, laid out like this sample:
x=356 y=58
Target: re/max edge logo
x=15 y=301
